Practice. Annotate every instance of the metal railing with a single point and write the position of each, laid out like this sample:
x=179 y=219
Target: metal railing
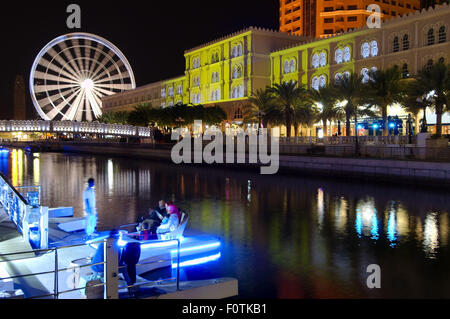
x=106 y=278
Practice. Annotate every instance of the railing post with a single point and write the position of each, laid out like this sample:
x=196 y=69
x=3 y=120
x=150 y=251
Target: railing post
x=56 y=288
x=111 y=270
x=178 y=265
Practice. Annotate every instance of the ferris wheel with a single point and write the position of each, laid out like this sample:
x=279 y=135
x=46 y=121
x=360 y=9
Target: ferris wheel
x=73 y=72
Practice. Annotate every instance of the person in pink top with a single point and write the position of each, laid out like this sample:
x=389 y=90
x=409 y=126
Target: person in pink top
x=171 y=221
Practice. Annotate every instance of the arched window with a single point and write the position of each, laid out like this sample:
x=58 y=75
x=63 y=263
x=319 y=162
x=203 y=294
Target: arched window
x=374 y=48
x=239 y=49
x=337 y=78
x=322 y=81
x=315 y=83
x=241 y=91
x=292 y=66
x=347 y=55
x=286 y=67
x=323 y=59
x=315 y=61
x=442 y=35
x=429 y=64
x=346 y=75
x=213 y=77
x=430 y=37
x=365 y=75
x=338 y=56
x=395 y=45
x=405 y=42
x=405 y=72
x=365 y=50
x=234 y=54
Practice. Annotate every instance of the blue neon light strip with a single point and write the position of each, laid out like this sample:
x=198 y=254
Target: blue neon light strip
x=160 y=244
x=201 y=247
x=198 y=261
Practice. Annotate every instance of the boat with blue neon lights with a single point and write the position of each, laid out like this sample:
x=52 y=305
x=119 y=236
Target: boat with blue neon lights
x=195 y=248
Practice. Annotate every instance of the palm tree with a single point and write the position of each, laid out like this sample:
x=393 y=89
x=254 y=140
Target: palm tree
x=355 y=93
x=325 y=99
x=305 y=114
x=433 y=83
x=388 y=88
x=287 y=95
x=142 y=115
x=261 y=103
x=413 y=102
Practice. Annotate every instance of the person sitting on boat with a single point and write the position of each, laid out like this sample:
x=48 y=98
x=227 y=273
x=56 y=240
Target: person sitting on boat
x=155 y=219
x=172 y=220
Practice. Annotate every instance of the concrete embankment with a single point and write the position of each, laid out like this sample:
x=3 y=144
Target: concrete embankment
x=403 y=171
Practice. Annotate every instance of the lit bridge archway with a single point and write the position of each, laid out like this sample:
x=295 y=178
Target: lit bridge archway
x=74 y=127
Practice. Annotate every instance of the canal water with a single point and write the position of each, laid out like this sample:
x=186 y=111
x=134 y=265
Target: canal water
x=283 y=236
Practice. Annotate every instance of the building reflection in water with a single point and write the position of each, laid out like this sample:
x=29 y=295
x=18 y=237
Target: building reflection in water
x=316 y=235
x=431 y=236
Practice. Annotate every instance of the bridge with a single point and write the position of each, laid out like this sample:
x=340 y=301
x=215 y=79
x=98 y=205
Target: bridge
x=74 y=127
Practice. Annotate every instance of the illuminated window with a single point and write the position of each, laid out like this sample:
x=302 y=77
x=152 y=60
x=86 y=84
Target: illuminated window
x=292 y=66
x=347 y=55
x=365 y=75
x=337 y=78
x=286 y=67
x=315 y=83
x=374 y=48
x=237 y=72
x=171 y=91
x=315 y=61
x=338 y=56
x=323 y=59
x=365 y=50
x=163 y=92
x=322 y=81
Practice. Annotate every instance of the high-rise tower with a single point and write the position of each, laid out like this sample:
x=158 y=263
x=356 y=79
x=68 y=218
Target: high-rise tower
x=318 y=18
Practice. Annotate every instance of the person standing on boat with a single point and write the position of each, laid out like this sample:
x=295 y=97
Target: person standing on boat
x=90 y=207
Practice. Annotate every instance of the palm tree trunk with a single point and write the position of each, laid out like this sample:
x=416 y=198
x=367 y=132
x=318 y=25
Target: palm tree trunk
x=347 y=125
x=288 y=125
x=439 y=120
x=325 y=128
x=385 y=119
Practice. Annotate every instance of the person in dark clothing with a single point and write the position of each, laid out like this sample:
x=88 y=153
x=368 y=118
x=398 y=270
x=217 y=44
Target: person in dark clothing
x=128 y=258
x=155 y=218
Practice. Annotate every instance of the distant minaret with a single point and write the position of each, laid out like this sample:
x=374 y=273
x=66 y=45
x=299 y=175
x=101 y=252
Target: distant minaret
x=19 y=110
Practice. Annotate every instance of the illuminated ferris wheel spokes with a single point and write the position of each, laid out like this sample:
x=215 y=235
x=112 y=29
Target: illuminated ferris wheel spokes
x=73 y=72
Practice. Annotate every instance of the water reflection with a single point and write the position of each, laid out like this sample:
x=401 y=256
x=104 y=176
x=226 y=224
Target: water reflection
x=305 y=237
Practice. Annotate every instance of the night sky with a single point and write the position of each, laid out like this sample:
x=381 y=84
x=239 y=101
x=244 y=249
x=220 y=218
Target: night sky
x=153 y=35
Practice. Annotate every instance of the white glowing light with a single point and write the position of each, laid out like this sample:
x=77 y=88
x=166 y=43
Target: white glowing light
x=87 y=84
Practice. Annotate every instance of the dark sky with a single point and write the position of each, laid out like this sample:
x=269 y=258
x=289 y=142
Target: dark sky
x=152 y=34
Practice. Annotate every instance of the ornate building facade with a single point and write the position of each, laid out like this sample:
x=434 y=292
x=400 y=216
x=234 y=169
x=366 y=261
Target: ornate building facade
x=225 y=72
